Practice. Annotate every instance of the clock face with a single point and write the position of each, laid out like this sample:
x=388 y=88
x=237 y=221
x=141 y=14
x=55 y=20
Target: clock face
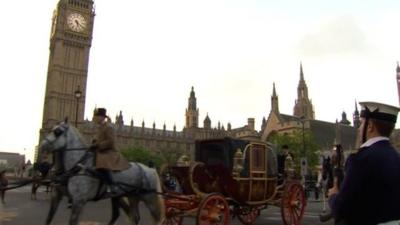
x=76 y=22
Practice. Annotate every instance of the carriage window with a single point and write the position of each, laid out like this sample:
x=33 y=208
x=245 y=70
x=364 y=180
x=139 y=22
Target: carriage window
x=258 y=158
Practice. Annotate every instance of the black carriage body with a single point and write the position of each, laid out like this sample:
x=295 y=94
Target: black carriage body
x=218 y=151
x=222 y=152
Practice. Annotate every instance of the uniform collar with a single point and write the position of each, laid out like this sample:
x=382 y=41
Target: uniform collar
x=373 y=141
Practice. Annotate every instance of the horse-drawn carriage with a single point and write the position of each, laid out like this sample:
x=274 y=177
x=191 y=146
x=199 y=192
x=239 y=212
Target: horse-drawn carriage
x=230 y=177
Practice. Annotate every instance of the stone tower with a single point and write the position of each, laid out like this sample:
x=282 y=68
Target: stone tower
x=303 y=106
x=356 y=117
x=398 y=79
x=207 y=122
x=192 y=112
x=70 y=42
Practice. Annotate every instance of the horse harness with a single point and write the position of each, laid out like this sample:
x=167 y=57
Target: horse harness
x=79 y=169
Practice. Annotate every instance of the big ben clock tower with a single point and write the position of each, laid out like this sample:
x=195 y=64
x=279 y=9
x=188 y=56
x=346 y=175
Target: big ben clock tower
x=70 y=42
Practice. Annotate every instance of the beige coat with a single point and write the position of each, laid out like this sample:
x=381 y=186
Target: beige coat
x=107 y=156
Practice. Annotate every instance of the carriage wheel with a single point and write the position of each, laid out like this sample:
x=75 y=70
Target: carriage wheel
x=213 y=210
x=194 y=169
x=293 y=204
x=248 y=215
x=171 y=218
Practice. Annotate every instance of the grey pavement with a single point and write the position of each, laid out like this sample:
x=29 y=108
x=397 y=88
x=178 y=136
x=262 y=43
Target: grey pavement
x=21 y=210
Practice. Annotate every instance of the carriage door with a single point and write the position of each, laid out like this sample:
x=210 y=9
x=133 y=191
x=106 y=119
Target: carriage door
x=258 y=172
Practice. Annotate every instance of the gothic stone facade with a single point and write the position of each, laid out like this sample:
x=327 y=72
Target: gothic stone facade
x=159 y=139
x=325 y=133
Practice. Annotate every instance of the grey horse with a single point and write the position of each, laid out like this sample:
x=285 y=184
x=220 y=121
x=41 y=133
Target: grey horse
x=138 y=183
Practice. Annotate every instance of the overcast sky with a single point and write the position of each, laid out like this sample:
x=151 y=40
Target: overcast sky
x=146 y=55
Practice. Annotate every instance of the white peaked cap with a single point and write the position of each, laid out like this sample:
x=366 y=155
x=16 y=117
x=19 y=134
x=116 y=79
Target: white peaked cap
x=379 y=111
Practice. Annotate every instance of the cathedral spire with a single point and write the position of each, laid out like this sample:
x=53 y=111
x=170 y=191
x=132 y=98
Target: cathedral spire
x=274 y=100
x=398 y=67
x=303 y=105
x=192 y=100
x=356 y=108
x=207 y=122
x=302 y=90
x=301 y=72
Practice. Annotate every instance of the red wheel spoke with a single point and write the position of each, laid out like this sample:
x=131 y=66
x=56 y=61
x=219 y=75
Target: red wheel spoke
x=293 y=204
x=213 y=210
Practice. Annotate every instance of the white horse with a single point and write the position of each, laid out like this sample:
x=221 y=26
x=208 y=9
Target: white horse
x=78 y=179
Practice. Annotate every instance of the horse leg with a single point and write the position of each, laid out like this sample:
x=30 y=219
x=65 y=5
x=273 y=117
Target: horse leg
x=54 y=203
x=155 y=203
x=124 y=205
x=33 y=190
x=76 y=211
x=114 y=210
x=47 y=188
x=3 y=192
x=134 y=214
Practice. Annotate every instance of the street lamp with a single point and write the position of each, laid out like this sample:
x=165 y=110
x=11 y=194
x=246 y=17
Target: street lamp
x=302 y=120
x=303 y=161
x=78 y=95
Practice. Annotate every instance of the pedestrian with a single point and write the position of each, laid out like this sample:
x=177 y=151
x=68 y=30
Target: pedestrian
x=369 y=194
x=108 y=159
x=282 y=158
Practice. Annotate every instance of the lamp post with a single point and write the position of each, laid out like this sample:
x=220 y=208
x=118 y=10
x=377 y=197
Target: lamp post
x=303 y=161
x=302 y=119
x=78 y=95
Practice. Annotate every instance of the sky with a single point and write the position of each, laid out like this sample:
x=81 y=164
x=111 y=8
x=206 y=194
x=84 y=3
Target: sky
x=146 y=56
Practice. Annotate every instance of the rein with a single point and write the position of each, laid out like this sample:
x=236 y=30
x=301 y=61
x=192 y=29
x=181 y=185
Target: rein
x=70 y=149
x=17 y=184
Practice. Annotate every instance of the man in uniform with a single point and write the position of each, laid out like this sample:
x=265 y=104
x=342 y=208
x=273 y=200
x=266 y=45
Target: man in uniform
x=370 y=192
x=282 y=158
x=108 y=159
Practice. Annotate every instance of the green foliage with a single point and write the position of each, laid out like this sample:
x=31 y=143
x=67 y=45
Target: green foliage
x=171 y=155
x=295 y=143
x=142 y=155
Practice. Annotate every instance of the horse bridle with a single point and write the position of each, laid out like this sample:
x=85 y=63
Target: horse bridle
x=57 y=133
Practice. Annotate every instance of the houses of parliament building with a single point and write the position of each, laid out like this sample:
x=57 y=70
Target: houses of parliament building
x=70 y=43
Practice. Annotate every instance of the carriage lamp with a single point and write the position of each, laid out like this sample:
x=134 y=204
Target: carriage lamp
x=78 y=95
x=183 y=160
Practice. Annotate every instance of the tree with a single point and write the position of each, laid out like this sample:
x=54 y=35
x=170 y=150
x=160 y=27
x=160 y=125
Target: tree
x=295 y=143
x=171 y=155
x=142 y=155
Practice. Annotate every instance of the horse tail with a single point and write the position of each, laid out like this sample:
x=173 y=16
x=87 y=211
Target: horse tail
x=160 y=212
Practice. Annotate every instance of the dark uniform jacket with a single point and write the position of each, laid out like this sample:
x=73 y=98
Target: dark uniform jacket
x=370 y=192
x=107 y=156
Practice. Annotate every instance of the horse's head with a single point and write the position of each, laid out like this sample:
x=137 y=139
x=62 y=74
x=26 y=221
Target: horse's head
x=56 y=139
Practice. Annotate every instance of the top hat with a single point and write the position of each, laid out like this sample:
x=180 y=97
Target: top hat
x=101 y=112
